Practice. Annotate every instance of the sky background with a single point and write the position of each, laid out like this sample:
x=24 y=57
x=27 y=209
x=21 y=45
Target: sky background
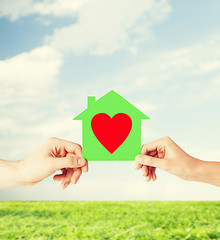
x=163 y=56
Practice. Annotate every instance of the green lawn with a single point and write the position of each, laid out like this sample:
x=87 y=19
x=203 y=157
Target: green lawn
x=110 y=220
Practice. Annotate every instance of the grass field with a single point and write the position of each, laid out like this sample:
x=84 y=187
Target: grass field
x=110 y=220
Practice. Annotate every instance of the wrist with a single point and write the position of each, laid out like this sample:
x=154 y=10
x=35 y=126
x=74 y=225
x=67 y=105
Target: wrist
x=198 y=170
x=208 y=172
x=9 y=173
x=25 y=176
x=16 y=173
x=21 y=171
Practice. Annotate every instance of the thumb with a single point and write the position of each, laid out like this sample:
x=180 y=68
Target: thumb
x=150 y=161
x=70 y=162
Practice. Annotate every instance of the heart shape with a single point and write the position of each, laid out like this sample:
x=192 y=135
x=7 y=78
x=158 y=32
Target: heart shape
x=111 y=132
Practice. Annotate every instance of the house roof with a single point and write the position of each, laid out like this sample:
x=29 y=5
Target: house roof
x=112 y=102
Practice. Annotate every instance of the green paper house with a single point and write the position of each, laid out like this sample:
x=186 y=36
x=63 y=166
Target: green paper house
x=113 y=105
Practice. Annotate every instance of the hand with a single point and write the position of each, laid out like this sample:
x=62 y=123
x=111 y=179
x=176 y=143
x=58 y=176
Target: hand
x=56 y=154
x=167 y=155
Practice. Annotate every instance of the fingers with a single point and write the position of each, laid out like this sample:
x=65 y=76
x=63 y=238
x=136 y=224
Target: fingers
x=138 y=165
x=150 y=161
x=150 y=147
x=85 y=168
x=70 y=175
x=70 y=147
x=153 y=146
x=68 y=162
x=76 y=175
x=153 y=173
x=60 y=177
x=148 y=171
x=148 y=178
x=145 y=170
x=67 y=180
x=74 y=164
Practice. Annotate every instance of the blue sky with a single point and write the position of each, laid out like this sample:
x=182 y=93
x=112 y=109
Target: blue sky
x=163 y=56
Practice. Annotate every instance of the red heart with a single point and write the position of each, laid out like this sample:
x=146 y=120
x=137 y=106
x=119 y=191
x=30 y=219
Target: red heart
x=111 y=132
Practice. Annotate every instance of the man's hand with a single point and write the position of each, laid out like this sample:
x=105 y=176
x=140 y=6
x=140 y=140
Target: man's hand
x=56 y=154
x=167 y=155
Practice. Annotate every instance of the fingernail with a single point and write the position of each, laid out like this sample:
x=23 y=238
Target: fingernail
x=85 y=170
x=81 y=161
x=65 y=185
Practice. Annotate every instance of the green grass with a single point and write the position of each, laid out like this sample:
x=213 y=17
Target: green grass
x=110 y=220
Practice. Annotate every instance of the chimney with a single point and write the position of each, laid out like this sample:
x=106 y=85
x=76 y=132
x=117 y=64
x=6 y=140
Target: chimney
x=91 y=101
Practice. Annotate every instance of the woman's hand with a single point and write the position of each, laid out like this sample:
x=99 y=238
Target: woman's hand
x=167 y=155
x=56 y=154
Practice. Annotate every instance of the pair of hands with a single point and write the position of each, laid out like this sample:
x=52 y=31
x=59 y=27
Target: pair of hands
x=58 y=154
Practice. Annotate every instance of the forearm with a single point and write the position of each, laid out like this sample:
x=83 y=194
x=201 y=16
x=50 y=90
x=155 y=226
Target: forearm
x=8 y=173
x=208 y=172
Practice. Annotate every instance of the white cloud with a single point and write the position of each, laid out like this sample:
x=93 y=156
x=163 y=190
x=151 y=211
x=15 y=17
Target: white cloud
x=173 y=73
x=209 y=66
x=216 y=82
x=27 y=81
x=104 y=27
x=14 y=9
x=21 y=8
x=27 y=76
x=175 y=64
x=26 y=138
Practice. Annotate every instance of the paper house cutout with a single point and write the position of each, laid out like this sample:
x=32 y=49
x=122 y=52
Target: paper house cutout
x=111 y=103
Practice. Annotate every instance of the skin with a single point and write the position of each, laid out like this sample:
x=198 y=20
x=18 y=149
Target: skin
x=56 y=154
x=168 y=156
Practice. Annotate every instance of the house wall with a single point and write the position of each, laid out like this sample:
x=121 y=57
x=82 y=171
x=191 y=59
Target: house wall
x=95 y=151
